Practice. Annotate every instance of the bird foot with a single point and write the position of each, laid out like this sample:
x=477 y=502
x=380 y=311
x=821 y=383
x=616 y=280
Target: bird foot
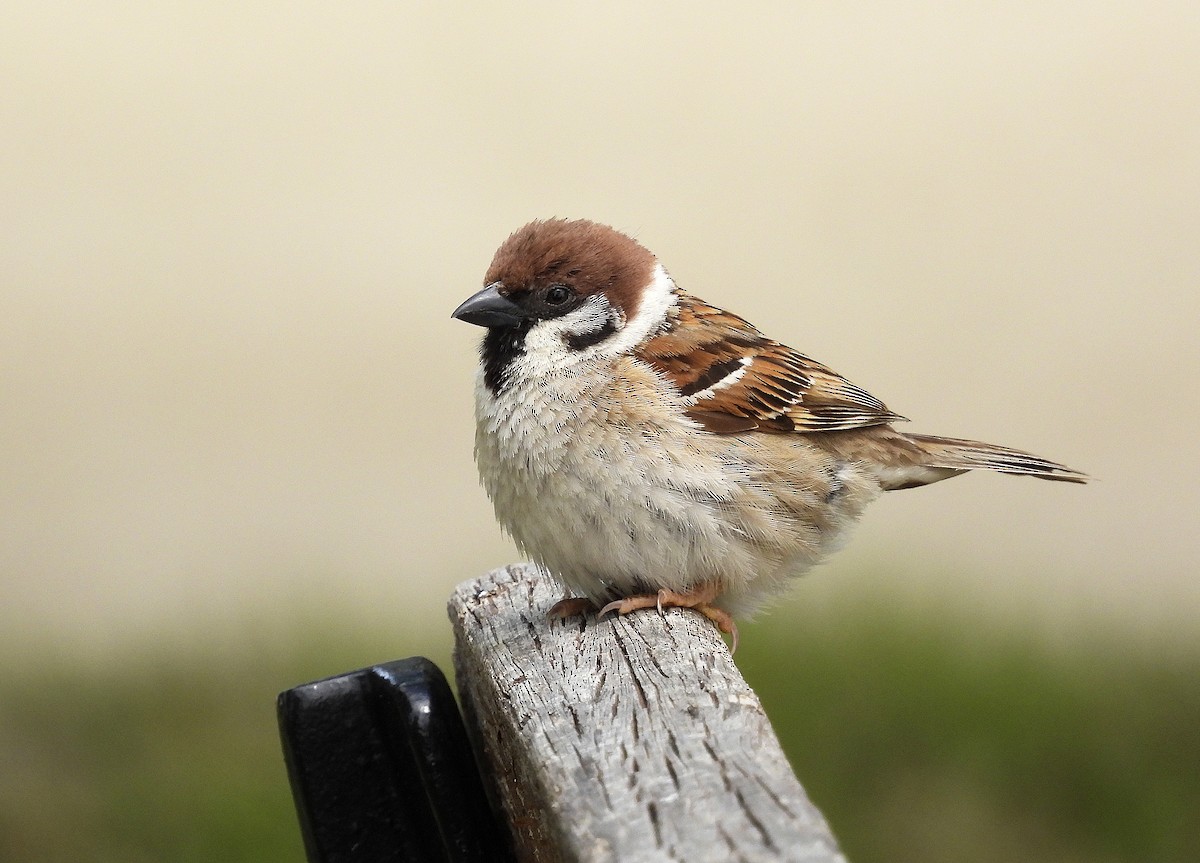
x=570 y=606
x=699 y=598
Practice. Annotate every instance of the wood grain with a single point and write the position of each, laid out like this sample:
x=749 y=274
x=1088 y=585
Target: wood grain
x=627 y=740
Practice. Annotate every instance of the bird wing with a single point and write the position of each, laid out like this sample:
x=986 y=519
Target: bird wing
x=736 y=379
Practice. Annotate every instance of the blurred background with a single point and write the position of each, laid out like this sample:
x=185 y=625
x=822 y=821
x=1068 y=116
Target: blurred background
x=235 y=445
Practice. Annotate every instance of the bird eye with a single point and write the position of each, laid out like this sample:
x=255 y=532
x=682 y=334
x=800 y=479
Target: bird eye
x=556 y=295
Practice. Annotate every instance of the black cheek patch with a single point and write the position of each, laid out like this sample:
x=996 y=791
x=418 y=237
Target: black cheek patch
x=580 y=341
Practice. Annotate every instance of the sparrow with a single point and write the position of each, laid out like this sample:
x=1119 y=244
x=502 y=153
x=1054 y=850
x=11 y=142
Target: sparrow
x=649 y=449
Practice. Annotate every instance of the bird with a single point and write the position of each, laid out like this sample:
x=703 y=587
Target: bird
x=651 y=450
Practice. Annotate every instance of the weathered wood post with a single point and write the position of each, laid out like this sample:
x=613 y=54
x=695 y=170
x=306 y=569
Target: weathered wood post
x=634 y=739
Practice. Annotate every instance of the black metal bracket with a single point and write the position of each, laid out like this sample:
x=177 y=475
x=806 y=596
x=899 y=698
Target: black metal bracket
x=381 y=769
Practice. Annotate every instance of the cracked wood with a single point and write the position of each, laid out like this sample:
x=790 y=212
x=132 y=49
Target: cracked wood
x=631 y=739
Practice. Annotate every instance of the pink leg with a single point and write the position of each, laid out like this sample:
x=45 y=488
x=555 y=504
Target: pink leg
x=699 y=598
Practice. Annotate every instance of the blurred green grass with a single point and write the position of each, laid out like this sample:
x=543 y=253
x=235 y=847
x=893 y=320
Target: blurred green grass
x=931 y=734
x=924 y=733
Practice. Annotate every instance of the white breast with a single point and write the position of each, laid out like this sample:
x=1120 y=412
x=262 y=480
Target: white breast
x=600 y=477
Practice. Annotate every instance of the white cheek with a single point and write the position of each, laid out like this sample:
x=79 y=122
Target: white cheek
x=657 y=299
x=546 y=348
x=552 y=334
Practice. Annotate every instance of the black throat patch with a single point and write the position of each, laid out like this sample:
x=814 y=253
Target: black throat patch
x=500 y=349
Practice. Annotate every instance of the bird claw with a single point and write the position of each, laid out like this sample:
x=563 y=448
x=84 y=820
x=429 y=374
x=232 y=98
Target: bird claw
x=699 y=599
x=569 y=606
x=627 y=604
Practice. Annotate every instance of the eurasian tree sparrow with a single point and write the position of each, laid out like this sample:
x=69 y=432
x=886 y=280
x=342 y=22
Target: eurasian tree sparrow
x=649 y=449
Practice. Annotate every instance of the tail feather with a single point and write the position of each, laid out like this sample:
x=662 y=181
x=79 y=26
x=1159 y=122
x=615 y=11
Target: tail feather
x=959 y=455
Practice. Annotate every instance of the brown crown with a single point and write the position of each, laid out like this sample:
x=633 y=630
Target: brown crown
x=586 y=256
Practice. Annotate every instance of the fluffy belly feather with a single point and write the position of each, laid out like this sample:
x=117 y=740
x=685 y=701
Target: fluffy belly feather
x=618 y=502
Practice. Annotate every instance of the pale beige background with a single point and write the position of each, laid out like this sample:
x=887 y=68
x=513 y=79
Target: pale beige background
x=233 y=234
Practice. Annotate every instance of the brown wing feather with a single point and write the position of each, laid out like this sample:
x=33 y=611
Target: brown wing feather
x=741 y=380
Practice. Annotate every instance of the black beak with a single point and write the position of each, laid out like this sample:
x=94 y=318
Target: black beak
x=488 y=309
